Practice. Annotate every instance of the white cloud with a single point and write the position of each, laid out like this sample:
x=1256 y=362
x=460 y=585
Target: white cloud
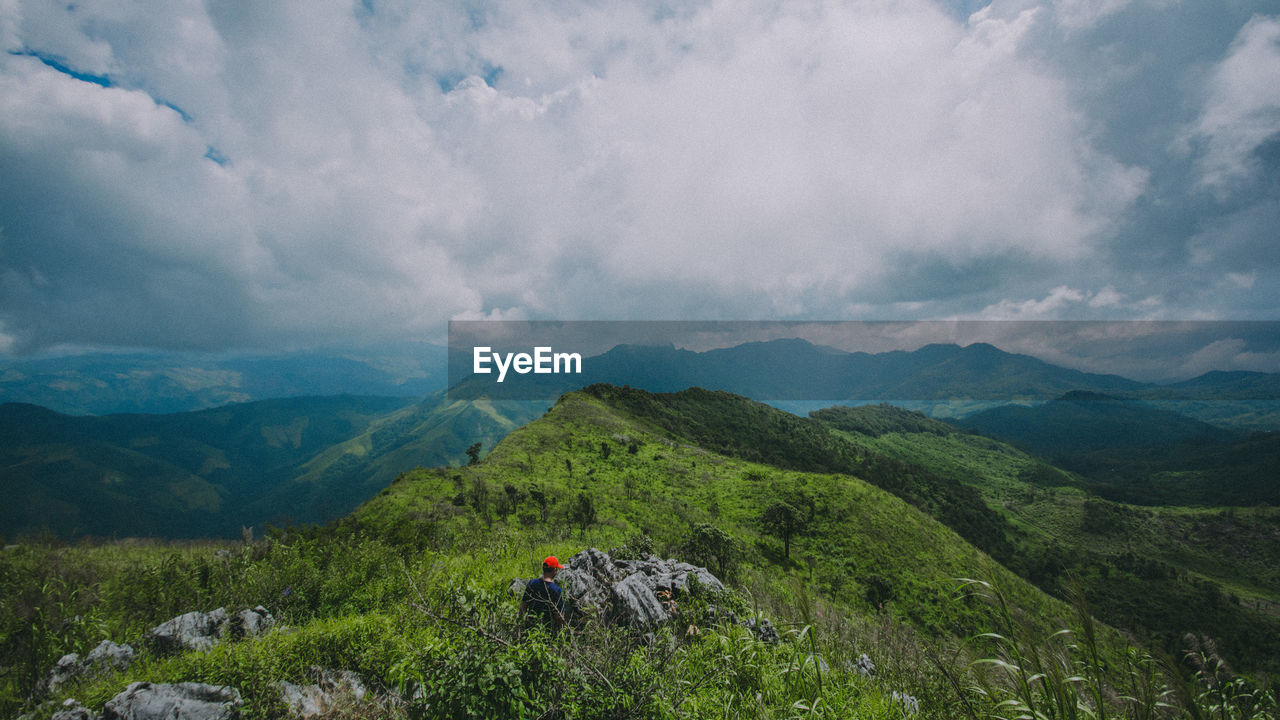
x=381 y=173
x=1227 y=354
x=1242 y=109
x=1051 y=306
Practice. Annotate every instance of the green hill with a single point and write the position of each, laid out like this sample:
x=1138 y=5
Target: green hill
x=1130 y=451
x=211 y=472
x=410 y=590
x=1158 y=571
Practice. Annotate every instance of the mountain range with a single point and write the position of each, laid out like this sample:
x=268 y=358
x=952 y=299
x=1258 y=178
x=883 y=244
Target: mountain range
x=939 y=380
x=102 y=384
x=856 y=523
x=306 y=459
x=209 y=473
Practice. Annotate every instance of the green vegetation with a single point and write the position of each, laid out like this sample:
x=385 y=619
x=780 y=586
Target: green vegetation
x=209 y=473
x=411 y=591
x=1159 y=572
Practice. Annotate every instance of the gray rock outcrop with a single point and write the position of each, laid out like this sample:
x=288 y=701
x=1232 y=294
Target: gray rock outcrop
x=72 y=710
x=188 y=701
x=627 y=591
x=634 y=601
x=107 y=656
x=588 y=579
x=333 y=686
x=201 y=630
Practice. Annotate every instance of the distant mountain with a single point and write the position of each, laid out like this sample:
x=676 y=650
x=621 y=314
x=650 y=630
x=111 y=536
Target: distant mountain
x=1082 y=420
x=207 y=473
x=102 y=384
x=1220 y=385
x=1133 y=452
x=941 y=380
x=798 y=370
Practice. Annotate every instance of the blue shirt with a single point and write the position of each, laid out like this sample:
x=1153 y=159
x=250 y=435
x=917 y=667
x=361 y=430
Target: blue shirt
x=544 y=598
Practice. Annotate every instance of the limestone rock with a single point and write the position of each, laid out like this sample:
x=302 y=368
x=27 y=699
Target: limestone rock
x=190 y=631
x=72 y=710
x=635 y=603
x=201 y=630
x=308 y=701
x=110 y=655
x=105 y=657
x=188 y=701
x=64 y=671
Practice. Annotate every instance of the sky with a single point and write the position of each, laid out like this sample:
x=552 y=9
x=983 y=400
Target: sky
x=244 y=175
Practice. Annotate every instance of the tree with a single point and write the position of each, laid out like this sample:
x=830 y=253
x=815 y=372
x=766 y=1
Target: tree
x=783 y=521
x=583 y=512
x=479 y=497
x=710 y=546
x=473 y=454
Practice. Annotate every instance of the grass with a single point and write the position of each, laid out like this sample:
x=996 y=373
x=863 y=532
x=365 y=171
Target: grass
x=411 y=592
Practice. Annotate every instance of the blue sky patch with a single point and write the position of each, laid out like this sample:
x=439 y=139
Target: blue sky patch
x=56 y=63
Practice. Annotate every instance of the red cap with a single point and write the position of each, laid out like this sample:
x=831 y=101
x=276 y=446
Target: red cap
x=551 y=561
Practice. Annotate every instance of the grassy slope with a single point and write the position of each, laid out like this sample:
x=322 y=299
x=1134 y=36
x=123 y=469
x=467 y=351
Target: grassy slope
x=1163 y=570
x=667 y=487
x=451 y=540
x=347 y=587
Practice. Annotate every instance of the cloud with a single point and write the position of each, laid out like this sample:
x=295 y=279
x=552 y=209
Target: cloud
x=1068 y=303
x=292 y=173
x=1242 y=110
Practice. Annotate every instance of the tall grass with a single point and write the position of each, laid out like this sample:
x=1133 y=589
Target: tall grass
x=1073 y=673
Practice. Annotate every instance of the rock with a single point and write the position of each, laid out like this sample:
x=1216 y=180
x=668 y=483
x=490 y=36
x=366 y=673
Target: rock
x=596 y=563
x=67 y=668
x=910 y=705
x=517 y=586
x=201 y=630
x=250 y=623
x=311 y=700
x=764 y=630
x=107 y=656
x=715 y=614
x=72 y=710
x=635 y=604
x=677 y=576
x=191 y=631
x=586 y=580
x=188 y=701
x=864 y=666
x=627 y=591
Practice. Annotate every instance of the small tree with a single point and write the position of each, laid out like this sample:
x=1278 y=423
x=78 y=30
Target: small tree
x=710 y=546
x=583 y=512
x=478 y=497
x=539 y=497
x=473 y=454
x=783 y=521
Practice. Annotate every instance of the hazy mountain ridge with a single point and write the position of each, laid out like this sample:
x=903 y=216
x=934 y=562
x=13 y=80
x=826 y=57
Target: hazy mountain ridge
x=102 y=384
x=209 y=472
x=945 y=380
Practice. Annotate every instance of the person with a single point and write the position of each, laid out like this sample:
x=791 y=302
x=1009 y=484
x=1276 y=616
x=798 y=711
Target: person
x=543 y=599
